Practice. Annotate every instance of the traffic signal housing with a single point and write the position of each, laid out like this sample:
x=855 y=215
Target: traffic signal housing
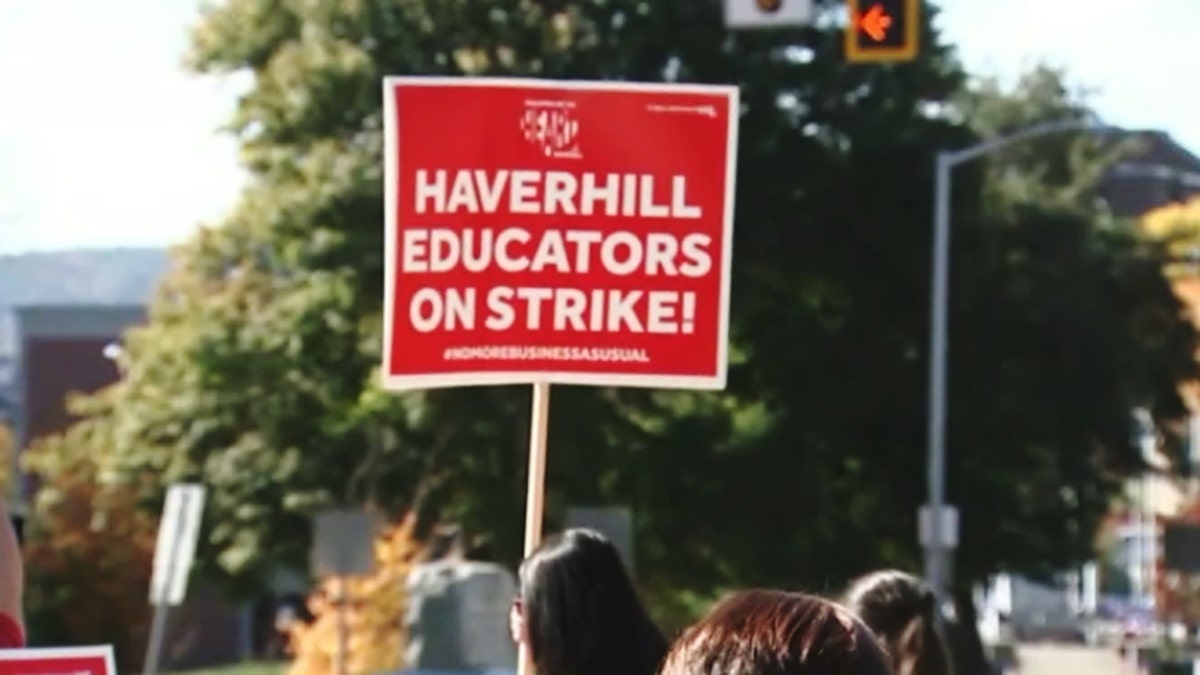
x=882 y=31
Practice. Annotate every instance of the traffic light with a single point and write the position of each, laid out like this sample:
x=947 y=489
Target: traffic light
x=744 y=14
x=882 y=30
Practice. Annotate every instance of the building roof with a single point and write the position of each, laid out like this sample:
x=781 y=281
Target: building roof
x=76 y=320
x=1132 y=196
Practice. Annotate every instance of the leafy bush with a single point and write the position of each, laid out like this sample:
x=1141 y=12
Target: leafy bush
x=375 y=606
x=89 y=550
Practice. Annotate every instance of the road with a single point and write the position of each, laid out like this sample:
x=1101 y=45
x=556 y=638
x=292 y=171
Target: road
x=1070 y=659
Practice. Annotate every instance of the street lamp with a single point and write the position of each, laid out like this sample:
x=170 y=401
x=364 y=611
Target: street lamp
x=936 y=545
x=112 y=351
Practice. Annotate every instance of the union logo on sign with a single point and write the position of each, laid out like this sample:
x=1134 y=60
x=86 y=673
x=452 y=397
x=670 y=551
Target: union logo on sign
x=552 y=126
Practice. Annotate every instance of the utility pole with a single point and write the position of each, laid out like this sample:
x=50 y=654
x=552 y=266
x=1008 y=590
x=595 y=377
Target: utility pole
x=938 y=544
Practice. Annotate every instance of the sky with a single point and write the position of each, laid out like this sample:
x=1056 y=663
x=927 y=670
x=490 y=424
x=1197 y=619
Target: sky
x=105 y=140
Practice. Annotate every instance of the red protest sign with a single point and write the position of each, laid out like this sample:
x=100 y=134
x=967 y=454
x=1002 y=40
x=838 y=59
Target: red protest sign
x=562 y=232
x=58 y=661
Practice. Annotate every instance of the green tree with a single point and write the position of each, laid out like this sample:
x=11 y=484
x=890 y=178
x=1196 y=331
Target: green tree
x=307 y=233
x=1084 y=320
x=1062 y=169
x=256 y=371
x=1177 y=226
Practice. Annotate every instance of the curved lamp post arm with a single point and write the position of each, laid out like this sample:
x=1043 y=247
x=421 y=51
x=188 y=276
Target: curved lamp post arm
x=956 y=157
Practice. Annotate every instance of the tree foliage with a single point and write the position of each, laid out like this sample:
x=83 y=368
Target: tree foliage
x=1083 y=328
x=256 y=371
x=374 y=615
x=291 y=287
x=90 y=547
x=1177 y=226
x=1059 y=170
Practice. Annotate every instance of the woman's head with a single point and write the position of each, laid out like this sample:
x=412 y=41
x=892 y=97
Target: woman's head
x=578 y=611
x=777 y=633
x=903 y=613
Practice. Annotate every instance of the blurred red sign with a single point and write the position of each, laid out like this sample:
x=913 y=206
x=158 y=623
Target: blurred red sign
x=58 y=661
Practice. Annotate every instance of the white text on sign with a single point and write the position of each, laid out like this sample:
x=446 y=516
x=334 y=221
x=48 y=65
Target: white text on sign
x=550 y=193
x=621 y=253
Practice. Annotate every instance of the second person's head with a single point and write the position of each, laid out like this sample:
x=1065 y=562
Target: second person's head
x=902 y=611
x=578 y=612
x=763 y=632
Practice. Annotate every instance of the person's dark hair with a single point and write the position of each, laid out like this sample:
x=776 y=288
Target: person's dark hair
x=582 y=613
x=902 y=611
x=762 y=632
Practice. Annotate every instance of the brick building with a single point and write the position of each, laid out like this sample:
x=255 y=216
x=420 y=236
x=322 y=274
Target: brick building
x=61 y=351
x=66 y=349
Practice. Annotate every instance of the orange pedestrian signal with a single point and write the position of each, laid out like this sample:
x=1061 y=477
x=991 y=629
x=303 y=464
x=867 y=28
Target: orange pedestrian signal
x=882 y=31
x=875 y=23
